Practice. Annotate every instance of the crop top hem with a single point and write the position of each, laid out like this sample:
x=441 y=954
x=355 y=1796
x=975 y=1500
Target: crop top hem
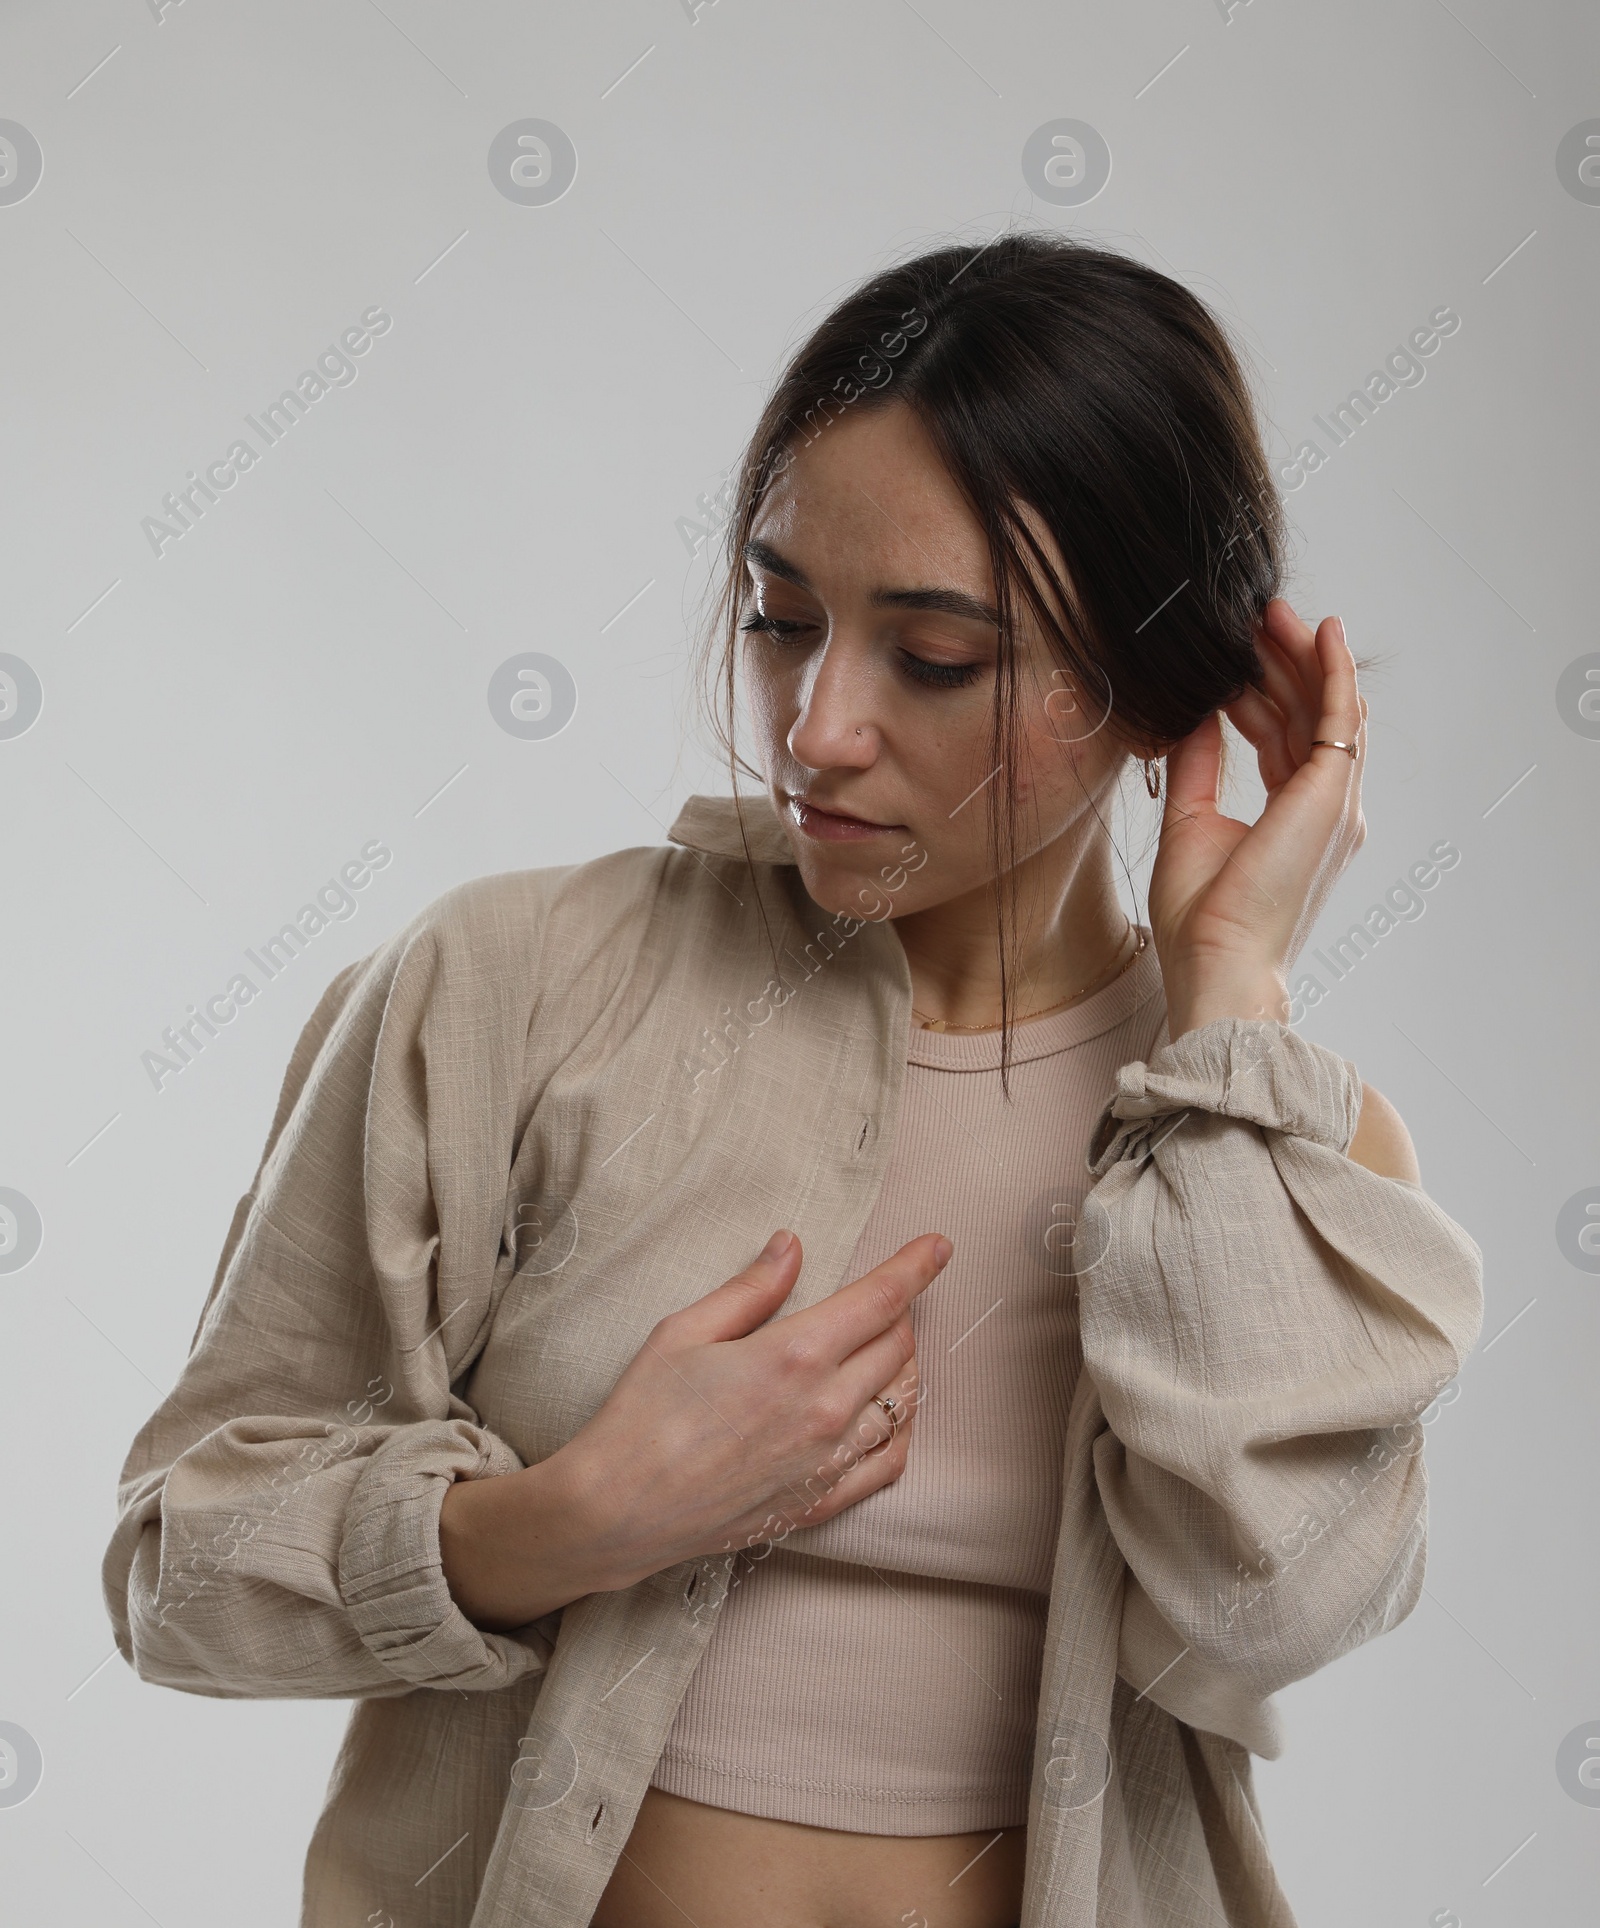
x=842 y=1808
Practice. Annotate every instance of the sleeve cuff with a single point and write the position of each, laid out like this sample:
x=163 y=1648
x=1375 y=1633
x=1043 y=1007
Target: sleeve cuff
x=391 y=1578
x=1249 y=1068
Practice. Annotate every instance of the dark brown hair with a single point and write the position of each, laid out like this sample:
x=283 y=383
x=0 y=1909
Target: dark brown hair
x=1105 y=397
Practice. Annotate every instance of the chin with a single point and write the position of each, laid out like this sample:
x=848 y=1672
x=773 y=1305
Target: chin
x=859 y=891
x=834 y=887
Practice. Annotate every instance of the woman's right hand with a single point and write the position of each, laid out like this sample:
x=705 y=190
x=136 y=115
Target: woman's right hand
x=728 y=1428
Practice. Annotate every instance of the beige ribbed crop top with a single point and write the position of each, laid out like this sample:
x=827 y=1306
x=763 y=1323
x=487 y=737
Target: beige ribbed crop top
x=880 y=1672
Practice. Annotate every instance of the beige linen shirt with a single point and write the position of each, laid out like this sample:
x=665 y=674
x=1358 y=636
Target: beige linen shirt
x=561 y=1103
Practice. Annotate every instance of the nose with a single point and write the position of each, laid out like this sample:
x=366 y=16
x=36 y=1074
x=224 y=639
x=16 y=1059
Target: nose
x=834 y=728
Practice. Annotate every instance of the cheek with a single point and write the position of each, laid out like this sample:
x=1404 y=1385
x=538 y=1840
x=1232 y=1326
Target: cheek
x=1053 y=774
x=771 y=700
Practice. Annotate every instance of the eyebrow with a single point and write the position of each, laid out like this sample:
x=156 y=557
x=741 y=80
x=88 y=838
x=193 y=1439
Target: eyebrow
x=943 y=602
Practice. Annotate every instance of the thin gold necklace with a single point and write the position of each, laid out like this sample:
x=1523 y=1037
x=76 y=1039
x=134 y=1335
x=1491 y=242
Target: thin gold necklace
x=1099 y=983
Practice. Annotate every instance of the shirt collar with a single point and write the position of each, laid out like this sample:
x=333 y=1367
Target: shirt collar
x=712 y=824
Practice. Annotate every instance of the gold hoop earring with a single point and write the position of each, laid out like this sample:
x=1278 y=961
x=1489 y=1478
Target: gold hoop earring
x=1152 y=781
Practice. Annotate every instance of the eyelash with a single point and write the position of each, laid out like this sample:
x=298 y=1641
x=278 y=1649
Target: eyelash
x=944 y=676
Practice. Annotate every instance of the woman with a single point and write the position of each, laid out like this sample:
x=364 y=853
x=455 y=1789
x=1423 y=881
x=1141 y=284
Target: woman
x=938 y=1566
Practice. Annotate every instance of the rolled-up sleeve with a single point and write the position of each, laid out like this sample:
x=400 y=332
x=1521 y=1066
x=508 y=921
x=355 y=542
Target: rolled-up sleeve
x=1265 y=1323
x=278 y=1514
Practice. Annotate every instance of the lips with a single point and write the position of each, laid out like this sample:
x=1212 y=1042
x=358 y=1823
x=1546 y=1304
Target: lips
x=843 y=816
x=833 y=826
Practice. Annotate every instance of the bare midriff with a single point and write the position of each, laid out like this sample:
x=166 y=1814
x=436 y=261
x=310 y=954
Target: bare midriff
x=687 y=1862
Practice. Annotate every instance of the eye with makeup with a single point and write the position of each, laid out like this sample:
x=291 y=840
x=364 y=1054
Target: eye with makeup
x=918 y=669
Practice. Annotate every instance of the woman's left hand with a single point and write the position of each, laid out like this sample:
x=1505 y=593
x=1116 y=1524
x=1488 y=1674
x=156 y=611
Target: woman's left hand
x=1232 y=903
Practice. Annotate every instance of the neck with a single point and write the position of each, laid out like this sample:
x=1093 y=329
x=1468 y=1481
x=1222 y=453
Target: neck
x=1069 y=930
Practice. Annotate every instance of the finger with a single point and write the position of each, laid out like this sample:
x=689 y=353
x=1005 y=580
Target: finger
x=869 y=1306
x=1295 y=700
x=844 y=1482
x=1340 y=712
x=1293 y=635
x=880 y=1431
x=1194 y=770
x=1316 y=656
x=886 y=1365
x=876 y=1431
x=739 y=1305
x=1261 y=723
x=872 y=1439
x=1294 y=642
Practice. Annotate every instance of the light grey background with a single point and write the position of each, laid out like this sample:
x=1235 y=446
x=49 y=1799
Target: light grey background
x=226 y=188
